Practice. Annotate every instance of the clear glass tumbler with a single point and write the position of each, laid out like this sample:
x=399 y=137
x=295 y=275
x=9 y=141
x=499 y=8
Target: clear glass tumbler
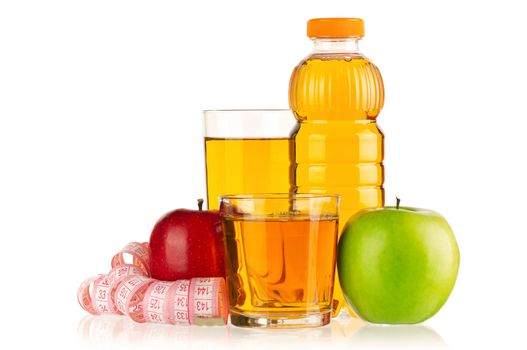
x=247 y=151
x=280 y=258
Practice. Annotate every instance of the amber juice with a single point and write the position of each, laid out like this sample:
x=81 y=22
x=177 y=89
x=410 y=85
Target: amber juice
x=280 y=266
x=338 y=147
x=240 y=166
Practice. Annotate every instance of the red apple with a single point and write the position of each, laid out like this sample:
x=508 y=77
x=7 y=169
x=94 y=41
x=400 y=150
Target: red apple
x=186 y=244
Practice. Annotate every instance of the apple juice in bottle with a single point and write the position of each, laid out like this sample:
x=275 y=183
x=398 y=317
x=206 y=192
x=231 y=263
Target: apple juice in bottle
x=336 y=94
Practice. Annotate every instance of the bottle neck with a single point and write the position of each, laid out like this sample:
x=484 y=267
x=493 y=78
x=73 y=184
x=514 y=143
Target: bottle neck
x=337 y=45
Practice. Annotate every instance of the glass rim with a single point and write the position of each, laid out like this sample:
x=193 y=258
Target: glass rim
x=248 y=123
x=244 y=110
x=278 y=195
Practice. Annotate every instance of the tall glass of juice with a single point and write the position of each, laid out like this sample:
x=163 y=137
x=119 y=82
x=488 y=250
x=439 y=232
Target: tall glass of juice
x=247 y=151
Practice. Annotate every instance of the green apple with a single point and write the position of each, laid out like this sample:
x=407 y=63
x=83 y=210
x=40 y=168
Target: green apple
x=397 y=265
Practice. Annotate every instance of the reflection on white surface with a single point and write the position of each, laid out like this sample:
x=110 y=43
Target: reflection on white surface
x=399 y=336
x=113 y=329
x=110 y=330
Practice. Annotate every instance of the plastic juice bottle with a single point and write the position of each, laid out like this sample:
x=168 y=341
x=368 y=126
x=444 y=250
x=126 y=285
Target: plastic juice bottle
x=336 y=94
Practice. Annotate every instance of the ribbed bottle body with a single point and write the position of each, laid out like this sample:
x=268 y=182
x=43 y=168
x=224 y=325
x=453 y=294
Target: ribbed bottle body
x=338 y=147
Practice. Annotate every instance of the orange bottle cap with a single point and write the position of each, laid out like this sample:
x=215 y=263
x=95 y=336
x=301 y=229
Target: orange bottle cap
x=335 y=27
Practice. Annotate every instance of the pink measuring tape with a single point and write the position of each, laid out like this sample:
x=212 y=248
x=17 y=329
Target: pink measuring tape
x=128 y=290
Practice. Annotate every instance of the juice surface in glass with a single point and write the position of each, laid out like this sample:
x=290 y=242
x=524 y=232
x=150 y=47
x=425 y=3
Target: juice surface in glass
x=247 y=151
x=241 y=166
x=281 y=264
x=336 y=94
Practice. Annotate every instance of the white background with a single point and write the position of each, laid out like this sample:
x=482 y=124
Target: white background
x=100 y=134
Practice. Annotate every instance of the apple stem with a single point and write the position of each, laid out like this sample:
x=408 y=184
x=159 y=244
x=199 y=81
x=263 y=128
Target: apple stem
x=200 y=204
x=397 y=201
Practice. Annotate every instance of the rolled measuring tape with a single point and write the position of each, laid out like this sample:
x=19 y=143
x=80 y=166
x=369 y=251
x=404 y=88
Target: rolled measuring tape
x=128 y=290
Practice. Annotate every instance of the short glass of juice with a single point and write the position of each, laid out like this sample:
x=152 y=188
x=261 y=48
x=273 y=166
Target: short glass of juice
x=247 y=151
x=280 y=258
